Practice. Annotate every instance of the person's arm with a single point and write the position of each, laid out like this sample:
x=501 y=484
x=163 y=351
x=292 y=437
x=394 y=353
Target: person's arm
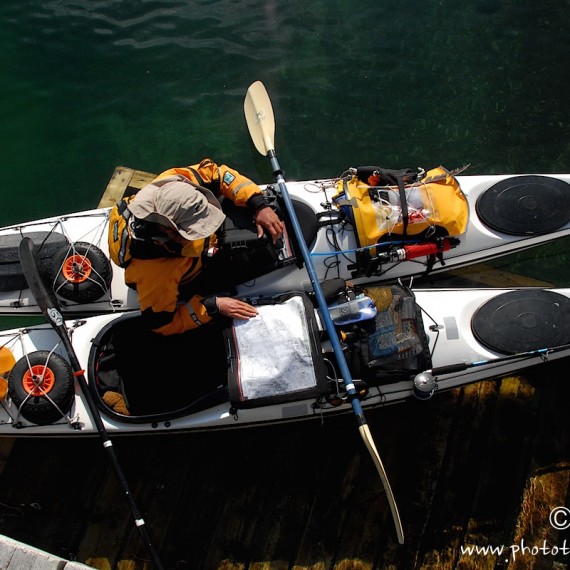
x=223 y=180
x=156 y=282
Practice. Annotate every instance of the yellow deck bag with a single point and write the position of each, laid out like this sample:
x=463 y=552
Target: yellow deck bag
x=435 y=203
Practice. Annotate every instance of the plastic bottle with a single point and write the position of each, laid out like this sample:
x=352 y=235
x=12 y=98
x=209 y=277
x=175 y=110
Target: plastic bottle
x=359 y=309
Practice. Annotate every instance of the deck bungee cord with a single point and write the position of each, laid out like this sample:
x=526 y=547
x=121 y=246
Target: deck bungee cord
x=79 y=270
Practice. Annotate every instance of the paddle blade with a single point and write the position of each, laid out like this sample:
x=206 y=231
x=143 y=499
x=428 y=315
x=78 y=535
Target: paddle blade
x=259 y=117
x=369 y=442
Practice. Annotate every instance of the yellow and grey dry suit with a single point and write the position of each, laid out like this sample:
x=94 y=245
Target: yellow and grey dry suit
x=160 y=283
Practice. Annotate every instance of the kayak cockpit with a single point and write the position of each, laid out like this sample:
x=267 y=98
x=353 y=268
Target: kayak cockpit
x=280 y=356
x=142 y=375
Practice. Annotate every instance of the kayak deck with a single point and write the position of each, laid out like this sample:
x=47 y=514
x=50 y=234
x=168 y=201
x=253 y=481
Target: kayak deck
x=125 y=181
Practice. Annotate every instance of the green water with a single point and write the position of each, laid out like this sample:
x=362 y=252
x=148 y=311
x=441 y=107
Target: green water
x=90 y=84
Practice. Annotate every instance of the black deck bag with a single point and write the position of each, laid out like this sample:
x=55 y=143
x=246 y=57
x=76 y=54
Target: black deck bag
x=276 y=357
x=395 y=344
x=237 y=237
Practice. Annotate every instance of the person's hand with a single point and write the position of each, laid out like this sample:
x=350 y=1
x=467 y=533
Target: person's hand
x=266 y=218
x=235 y=309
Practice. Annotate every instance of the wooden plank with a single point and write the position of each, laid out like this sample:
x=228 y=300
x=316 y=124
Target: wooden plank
x=140 y=179
x=425 y=428
x=547 y=478
x=453 y=498
x=116 y=187
x=124 y=181
x=500 y=482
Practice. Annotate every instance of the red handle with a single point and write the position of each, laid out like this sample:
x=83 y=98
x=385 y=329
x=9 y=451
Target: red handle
x=419 y=250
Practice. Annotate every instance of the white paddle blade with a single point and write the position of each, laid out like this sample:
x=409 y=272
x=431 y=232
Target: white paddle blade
x=259 y=117
x=369 y=442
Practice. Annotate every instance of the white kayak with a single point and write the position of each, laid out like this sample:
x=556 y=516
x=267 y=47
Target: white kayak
x=505 y=213
x=279 y=366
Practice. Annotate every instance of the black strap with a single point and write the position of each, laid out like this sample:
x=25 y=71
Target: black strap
x=199 y=179
x=403 y=204
x=122 y=209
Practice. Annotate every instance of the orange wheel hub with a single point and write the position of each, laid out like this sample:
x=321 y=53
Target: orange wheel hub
x=38 y=380
x=76 y=269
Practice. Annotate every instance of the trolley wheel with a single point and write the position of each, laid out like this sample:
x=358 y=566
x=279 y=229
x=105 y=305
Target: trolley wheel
x=41 y=383
x=81 y=273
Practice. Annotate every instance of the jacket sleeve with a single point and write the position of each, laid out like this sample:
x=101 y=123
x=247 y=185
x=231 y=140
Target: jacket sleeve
x=222 y=180
x=156 y=281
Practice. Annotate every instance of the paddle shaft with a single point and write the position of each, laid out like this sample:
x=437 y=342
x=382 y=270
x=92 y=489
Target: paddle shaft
x=50 y=308
x=460 y=366
x=325 y=315
x=363 y=428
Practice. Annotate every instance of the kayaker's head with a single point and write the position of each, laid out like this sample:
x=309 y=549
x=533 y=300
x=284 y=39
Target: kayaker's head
x=184 y=211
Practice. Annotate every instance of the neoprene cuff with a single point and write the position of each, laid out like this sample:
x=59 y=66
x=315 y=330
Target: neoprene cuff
x=211 y=306
x=256 y=202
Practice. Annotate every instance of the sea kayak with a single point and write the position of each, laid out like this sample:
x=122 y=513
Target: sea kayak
x=279 y=366
x=505 y=213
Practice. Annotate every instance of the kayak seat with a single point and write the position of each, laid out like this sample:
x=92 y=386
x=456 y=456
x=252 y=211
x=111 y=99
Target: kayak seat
x=523 y=320
x=309 y=224
x=307 y=220
x=162 y=376
x=525 y=205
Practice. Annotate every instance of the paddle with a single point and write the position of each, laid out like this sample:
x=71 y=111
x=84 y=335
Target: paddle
x=460 y=366
x=49 y=306
x=261 y=124
x=425 y=383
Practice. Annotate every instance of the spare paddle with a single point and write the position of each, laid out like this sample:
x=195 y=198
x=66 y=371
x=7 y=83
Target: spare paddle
x=261 y=124
x=460 y=366
x=425 y=383
x=49 y=306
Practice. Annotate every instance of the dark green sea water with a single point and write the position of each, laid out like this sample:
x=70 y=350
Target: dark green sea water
x=91 y=84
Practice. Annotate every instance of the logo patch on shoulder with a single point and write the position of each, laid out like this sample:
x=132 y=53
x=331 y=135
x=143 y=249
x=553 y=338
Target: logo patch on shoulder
x=228 y=178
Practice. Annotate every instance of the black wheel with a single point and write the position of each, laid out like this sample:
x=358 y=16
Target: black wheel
x=48 y=244
x=39 y=381
x=81 y=273
x=11 y=275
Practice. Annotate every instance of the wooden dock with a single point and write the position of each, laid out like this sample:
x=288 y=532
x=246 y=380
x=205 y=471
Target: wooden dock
x=483 y=465
x=479 y=466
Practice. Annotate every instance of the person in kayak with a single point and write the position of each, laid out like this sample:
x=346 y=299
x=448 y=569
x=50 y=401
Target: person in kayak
x=182 y=202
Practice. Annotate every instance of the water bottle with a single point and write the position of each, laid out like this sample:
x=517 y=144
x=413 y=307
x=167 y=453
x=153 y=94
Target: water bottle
x=360 y=309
